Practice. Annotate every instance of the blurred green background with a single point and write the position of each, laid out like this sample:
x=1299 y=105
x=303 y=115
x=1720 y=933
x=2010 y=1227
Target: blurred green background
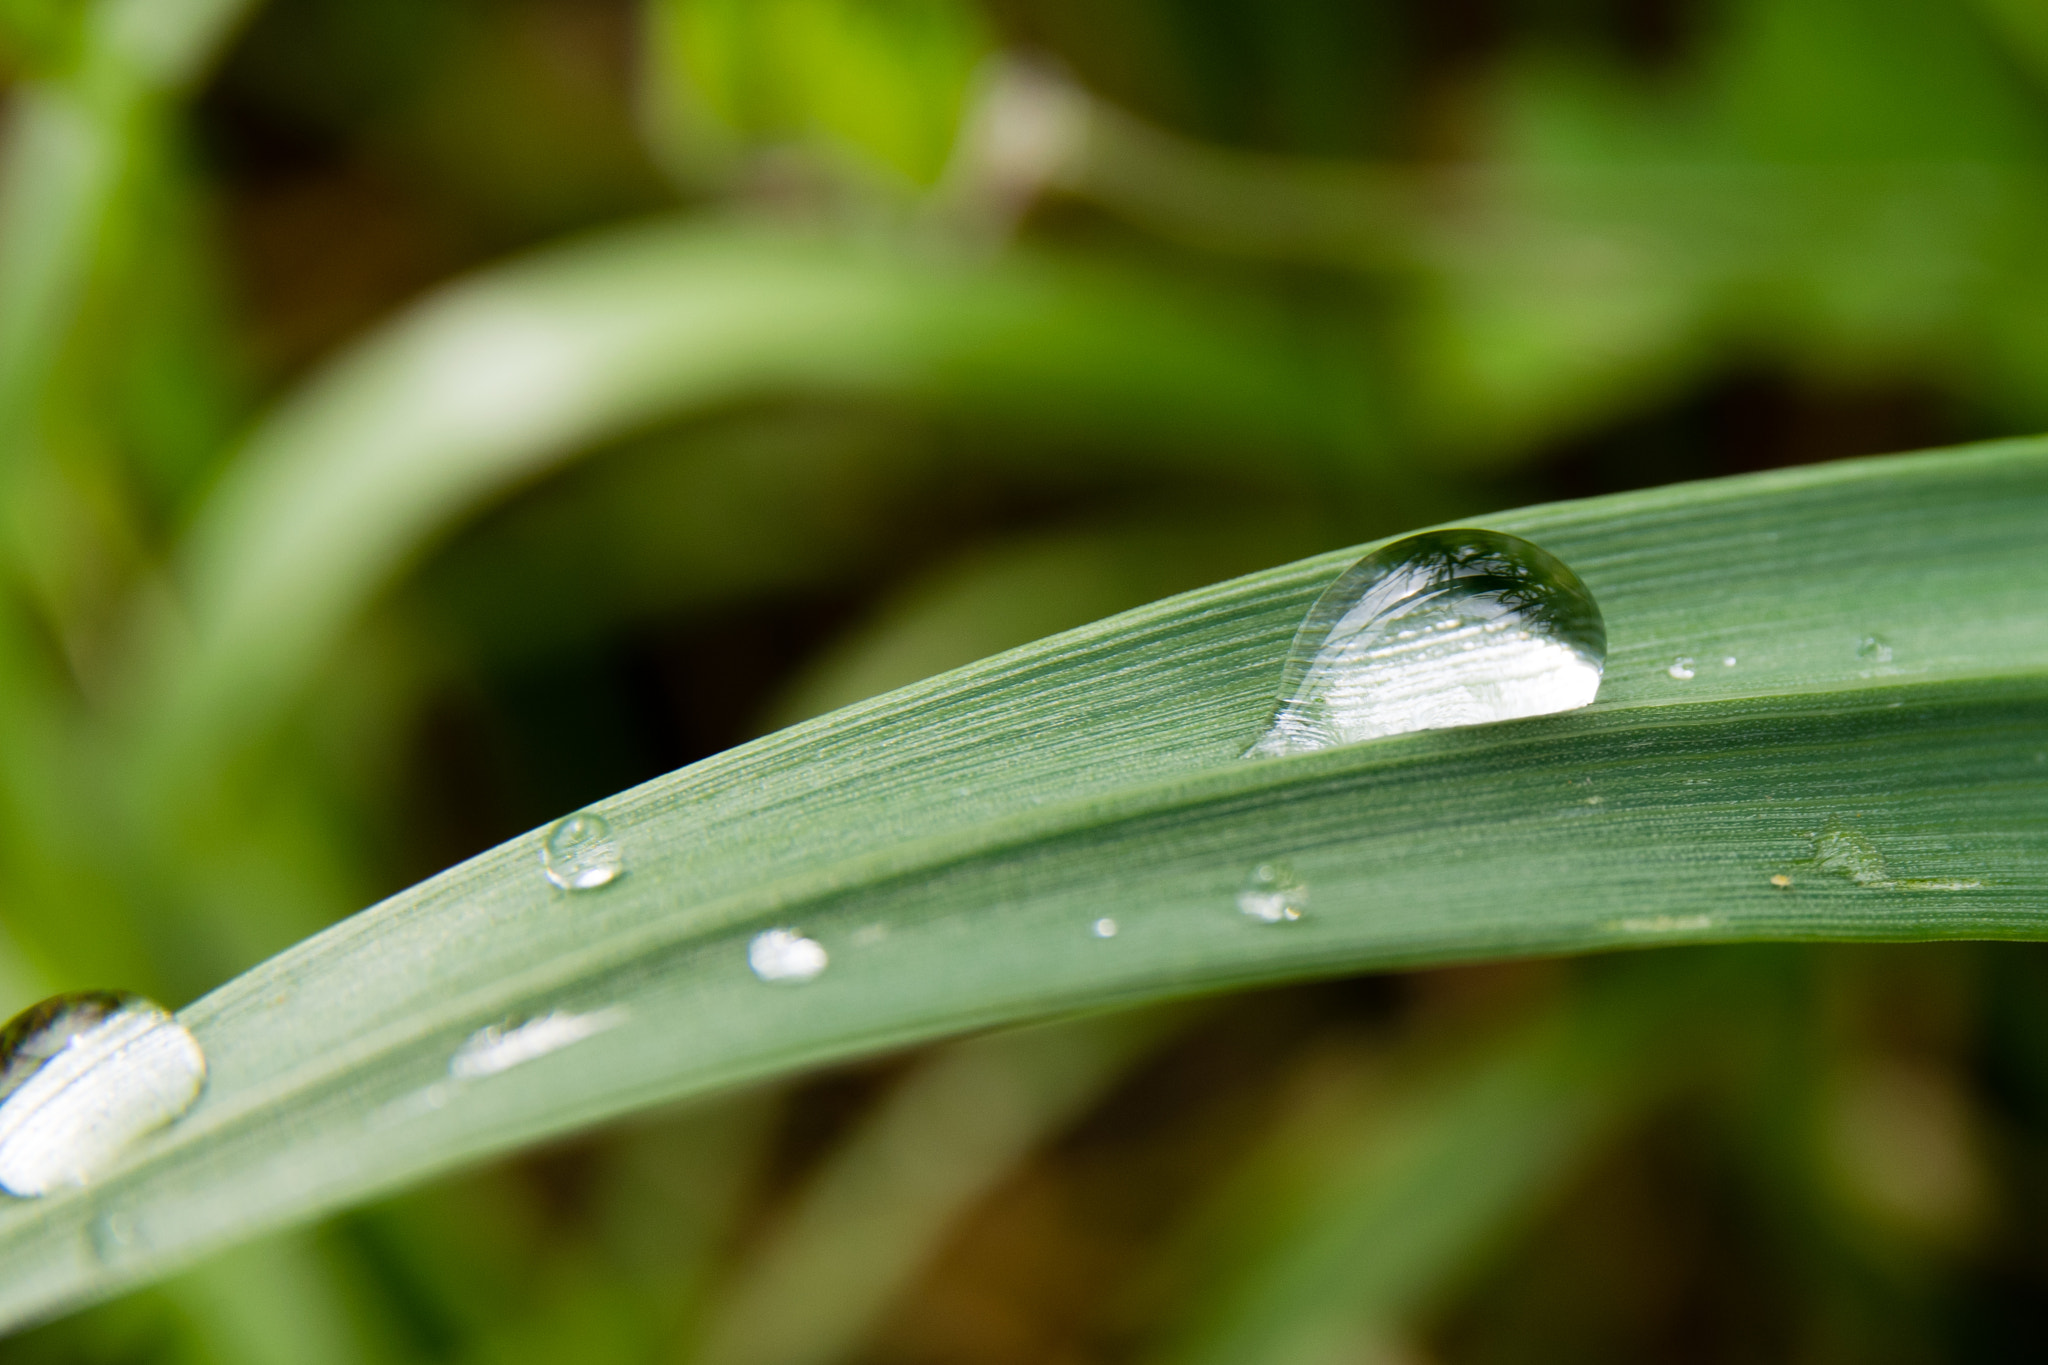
x=421 y=417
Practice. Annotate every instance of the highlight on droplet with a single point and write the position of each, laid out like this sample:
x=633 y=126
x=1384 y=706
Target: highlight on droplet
x=785 y=955
x=500 y=1047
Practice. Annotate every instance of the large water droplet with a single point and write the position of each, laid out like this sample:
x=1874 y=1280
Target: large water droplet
x=579 y=853
x=1445 y=628
x=1273 y=894
x=785 y=955
x=81 y=1077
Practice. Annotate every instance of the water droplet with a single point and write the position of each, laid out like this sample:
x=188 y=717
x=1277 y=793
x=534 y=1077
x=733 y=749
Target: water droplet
x=579 y=853
x=1728 y=661
x=1273 y=894
x=1681 y=668
x=1846 y=853
x=1874 y=648
x=1441 y=629
x=785 y=955
x=81 y=1077
x=1664 y=924
x=1105 y=928
x=115 y=1236
x=498 y=1048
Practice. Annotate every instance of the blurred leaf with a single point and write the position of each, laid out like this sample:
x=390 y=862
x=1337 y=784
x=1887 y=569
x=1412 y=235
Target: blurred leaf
x=2024 y=26
x=494 y=381
x=1382 y=1229
x=892 y=1191
x=984 y=821
x=1011 y=594
x=884 y=80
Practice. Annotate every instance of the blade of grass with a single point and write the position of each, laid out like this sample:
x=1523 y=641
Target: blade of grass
x=942 y=1139
x=1382 y=1234
x=492 y=381
x=984 y=820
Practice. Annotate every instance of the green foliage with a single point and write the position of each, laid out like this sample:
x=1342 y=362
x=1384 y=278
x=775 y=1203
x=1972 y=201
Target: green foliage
x=885 y=81
x=355 y=516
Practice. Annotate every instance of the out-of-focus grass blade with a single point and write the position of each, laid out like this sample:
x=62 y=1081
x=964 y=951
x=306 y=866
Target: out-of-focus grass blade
x=1009 y=594
x=1383 y=1234
x=946 y=1135
x=954 y=845
x=490 y=381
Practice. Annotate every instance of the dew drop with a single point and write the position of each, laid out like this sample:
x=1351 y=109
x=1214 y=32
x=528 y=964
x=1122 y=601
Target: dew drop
x=499 y=1047
x=1442 y=629
x=785 y=955
x=1105 y=928
x=84 y=1075
x=1875 y=648
x=115 y=1237
x=579 y=853
x=1681 y=668
x=1272 y=894
x=1728 y=661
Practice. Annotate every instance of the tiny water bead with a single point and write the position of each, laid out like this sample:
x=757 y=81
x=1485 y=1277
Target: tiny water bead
x=1442 y=629
x=1105 y=928
x=1874 y=649
x=82 y=1076
x=1681 y=668
x=579 y=853
x=1272 y=894
x=785 y=955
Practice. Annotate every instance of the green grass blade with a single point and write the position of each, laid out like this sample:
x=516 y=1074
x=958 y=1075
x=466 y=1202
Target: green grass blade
x=1377 y=1233
x=949 y=1132
x=493 y=381
x=952 y=845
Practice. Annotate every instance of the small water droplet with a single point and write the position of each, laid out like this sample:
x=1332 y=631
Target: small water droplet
x=1441 y=629
x=115 y=1237
x=1664 y=924
x=1105 y=928
x=579 y=853
x=1875 y=648
x=1847 y=853
x=1681 y=668
x=785 y=955
x=1728 y=661
x=84 y=1075
x=1272 y=894
x=498 y=1048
